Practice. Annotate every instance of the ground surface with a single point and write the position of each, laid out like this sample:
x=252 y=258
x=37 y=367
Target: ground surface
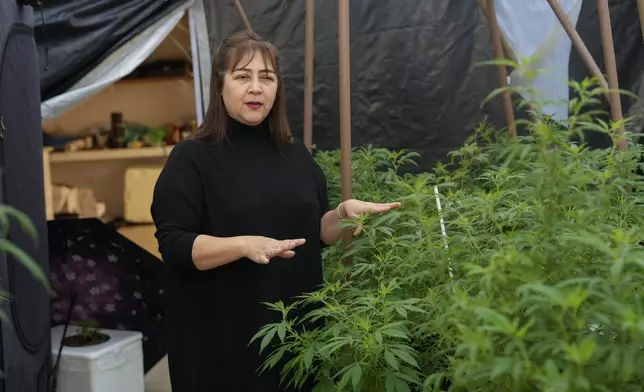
x=157 y=379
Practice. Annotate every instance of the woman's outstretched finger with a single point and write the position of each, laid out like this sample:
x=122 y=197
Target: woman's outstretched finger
x=287 y=254
x=291 y=244
x=384 y=207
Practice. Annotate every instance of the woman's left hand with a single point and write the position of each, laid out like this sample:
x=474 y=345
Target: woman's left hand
x=351 y=209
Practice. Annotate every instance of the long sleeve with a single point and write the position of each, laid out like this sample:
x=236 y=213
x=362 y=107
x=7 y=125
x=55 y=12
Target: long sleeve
x=322 y=191
x=178 y=207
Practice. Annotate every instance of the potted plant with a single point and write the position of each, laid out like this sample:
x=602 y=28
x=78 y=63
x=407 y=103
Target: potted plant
x=87 y=335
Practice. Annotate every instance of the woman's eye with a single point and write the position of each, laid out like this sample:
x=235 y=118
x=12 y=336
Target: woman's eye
x=242 y=77
x=268 y=78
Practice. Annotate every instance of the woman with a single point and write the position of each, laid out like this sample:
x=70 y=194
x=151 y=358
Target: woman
x=241 y=212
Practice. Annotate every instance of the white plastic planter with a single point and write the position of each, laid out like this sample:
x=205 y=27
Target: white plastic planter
x=113 y=366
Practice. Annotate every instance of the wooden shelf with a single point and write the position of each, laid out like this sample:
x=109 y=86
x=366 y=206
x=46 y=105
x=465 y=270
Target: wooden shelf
x=156 y=79
x=110 y=154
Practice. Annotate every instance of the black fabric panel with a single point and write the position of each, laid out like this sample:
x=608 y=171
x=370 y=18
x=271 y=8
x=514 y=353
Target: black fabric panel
x=412 y=77
x=25 y=342
x=629 y=52
x=75 y=36
x=23 y=189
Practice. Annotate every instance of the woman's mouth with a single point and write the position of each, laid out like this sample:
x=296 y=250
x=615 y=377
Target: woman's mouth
x=254 y=105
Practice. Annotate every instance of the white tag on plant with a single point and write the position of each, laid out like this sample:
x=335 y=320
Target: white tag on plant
x=443 y=231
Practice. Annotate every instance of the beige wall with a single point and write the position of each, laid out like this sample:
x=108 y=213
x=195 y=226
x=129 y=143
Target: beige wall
x=150 y=102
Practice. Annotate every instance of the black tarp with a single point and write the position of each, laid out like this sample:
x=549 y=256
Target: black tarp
x=25 y=339
x=412 y=77
x=75 y=36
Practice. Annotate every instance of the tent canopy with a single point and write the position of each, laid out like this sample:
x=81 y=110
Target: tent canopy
x=413 y=77
x=413 y=80
x=74 y=67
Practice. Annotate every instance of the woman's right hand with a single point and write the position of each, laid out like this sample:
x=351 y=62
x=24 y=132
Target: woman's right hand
x=262 y=249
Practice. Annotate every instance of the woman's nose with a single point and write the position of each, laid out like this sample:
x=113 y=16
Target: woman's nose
x=255 y=87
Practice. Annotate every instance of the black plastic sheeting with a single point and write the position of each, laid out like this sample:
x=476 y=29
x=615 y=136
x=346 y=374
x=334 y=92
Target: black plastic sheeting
x=412 y=77
x=74 y=36
x=414 y=83
x=25 y=332
x=629 y=53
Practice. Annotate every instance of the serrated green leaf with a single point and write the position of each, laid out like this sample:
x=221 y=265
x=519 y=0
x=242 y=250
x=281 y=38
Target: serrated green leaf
x=391 y=360
x=281 y=331
x=308 y=357
x=23 y=220
x=267 y=339
x=25 y=259
x=405 y=357
x=502 y=365
x=351 y=373
x=395 y=384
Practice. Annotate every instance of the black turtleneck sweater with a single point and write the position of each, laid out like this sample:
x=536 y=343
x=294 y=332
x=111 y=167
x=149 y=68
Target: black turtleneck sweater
x=243 y=186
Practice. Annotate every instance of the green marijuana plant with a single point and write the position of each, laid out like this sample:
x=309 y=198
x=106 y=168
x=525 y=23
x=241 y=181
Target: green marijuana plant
x=544 y=237
x=7 y=213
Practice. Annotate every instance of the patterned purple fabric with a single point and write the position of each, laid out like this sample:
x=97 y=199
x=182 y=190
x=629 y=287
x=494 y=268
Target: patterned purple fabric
x=114 y=283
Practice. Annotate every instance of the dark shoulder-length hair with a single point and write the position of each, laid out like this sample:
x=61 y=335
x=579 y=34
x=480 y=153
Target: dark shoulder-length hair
x=229 y=54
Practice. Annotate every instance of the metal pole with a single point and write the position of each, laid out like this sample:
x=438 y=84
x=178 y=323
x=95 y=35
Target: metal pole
x=309 y=65
x=503 y=74
x=611 y=69
x=242 y=15
x=578 y=43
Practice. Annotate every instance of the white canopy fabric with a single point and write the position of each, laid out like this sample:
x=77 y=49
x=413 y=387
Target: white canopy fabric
x=532 y=30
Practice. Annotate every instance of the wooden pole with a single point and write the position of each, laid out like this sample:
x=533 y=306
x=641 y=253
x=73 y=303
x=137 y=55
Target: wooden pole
x=344 y=60
x=579 y=45
x=640 y=8
x=345 y=97
x=507 y=49
x=242 y=15
x=495 y=31
x=309 y=64
x=611 y=69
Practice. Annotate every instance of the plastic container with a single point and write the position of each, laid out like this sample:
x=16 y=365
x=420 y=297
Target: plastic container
x=137 y=193
x=113 y=366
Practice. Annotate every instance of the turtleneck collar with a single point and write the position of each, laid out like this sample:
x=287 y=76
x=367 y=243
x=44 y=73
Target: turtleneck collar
x=239 y=130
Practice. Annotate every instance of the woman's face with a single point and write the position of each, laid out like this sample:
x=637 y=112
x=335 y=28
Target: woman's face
x=249 y=90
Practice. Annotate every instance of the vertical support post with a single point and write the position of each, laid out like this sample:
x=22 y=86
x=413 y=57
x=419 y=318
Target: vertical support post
x=507 y=49
x=309 y=65
x=194 y=47
x=495 y=31
x=242 y=15
x=345 y=98
x=640 y=8
x=578 y=43
x=611 y=69
x=344 y=61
